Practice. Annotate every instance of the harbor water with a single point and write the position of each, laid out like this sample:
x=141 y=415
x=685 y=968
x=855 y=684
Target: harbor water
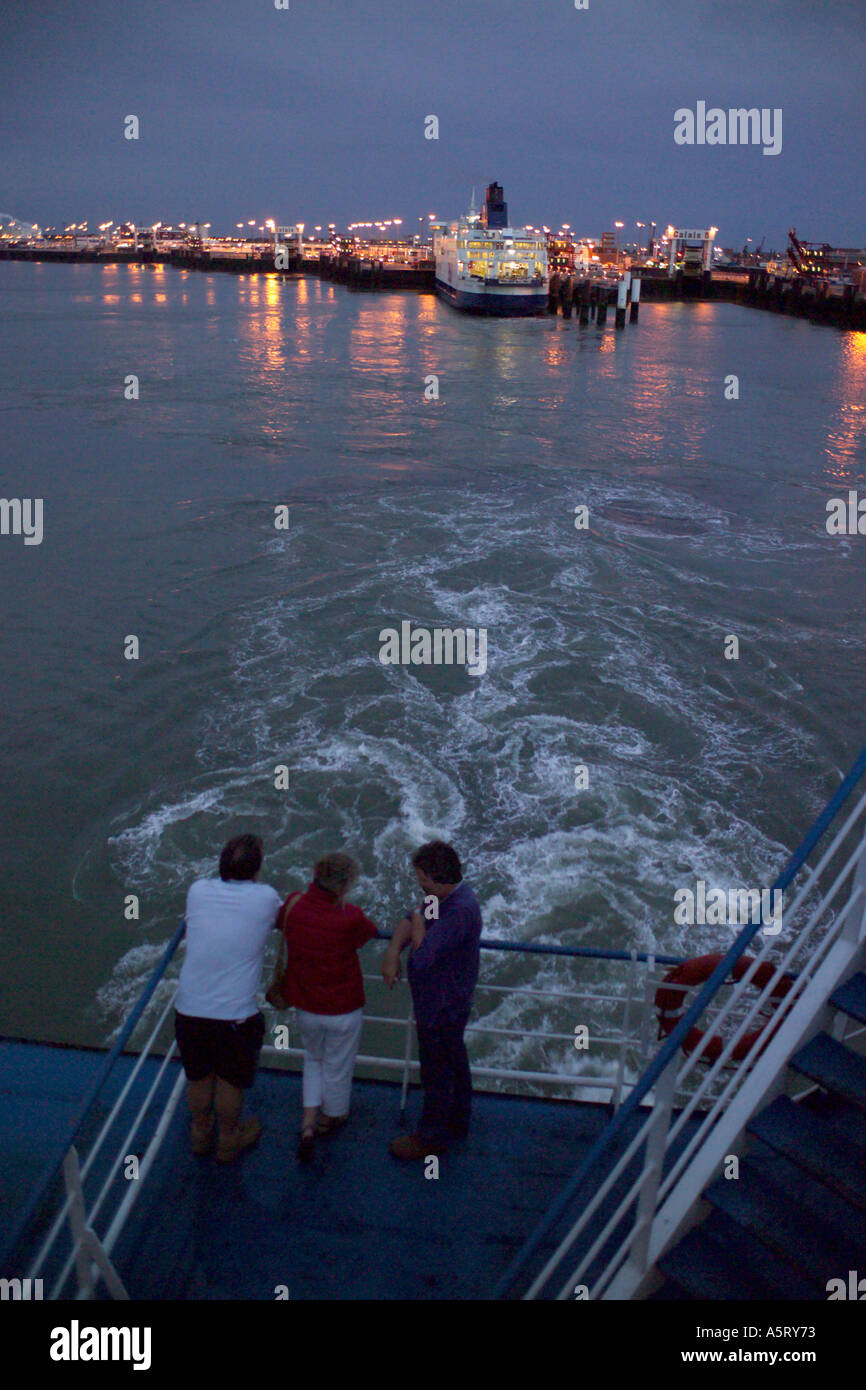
x=259 y=647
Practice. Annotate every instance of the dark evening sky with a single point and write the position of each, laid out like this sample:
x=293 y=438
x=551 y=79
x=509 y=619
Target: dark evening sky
x=316 y=114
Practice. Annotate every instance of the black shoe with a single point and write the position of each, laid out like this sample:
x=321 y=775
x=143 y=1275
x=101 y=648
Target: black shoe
x=306 y=1145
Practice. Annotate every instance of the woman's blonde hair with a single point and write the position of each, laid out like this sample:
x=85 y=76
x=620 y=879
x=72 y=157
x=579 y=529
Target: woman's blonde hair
x=336 y=872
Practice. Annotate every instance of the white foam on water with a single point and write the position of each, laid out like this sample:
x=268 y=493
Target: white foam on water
x=590 y=661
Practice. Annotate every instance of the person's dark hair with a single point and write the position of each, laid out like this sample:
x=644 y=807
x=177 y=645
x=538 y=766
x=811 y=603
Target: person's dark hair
x=241 y=858
x=439 y=861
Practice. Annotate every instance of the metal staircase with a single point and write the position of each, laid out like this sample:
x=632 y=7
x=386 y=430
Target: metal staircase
x=746 y=1178
x=795 y=1216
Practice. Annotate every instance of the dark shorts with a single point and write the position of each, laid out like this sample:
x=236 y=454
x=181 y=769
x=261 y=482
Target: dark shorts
x=218 y=1046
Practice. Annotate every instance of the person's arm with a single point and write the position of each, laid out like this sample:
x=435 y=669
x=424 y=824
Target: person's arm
x=361 y=928
x=391 y=968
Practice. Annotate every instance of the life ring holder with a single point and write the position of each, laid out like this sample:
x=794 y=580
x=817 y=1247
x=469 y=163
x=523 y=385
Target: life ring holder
x=670 y=1002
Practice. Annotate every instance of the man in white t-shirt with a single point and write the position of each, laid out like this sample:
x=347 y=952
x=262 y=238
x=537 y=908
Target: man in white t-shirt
x=218 y=1026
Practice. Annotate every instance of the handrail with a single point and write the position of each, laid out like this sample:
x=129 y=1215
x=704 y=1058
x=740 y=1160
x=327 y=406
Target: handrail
x=667 y=1052
x=583 y=952
x=55 y=1165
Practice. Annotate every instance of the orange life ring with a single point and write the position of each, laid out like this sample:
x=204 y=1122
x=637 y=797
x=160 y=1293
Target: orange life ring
x=670 y=1003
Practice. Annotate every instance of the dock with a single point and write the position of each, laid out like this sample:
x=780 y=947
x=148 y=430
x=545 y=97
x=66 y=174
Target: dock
x=822 y=298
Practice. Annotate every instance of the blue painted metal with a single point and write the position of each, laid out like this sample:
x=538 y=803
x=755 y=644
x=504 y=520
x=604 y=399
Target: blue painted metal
x=534 y=948
x=98 y=1083
x=353 y=1224
x=833 y=1066
x=54 y=1167
x=800 y=1194
x=795 y=1217
x=499 y=305
x=615 y=1130
x=799 y=1133
x=851 y=997
x=719 y=1260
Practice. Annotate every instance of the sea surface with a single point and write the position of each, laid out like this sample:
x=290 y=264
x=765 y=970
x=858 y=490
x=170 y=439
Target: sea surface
x=259 y=648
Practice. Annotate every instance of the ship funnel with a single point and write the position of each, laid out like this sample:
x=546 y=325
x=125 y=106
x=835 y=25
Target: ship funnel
x=495 y=212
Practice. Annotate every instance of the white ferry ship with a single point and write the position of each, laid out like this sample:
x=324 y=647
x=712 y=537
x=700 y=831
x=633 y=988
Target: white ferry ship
x=484 y=266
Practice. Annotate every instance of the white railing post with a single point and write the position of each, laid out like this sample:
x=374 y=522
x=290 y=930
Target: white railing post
x=855 y=925
x=87 y=1248
x=648 y=1014
x=656 y=1146
x=620 y=1069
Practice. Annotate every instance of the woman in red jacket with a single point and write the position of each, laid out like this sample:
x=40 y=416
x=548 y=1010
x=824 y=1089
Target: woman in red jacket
x=323 y=981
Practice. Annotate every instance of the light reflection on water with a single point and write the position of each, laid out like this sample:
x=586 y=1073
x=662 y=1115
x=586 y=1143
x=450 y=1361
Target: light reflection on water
x=706 y=516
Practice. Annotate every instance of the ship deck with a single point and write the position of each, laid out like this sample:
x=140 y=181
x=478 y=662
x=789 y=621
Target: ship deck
x=355 y=1223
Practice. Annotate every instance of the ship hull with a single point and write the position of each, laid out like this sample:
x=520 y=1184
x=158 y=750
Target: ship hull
x=511 y=303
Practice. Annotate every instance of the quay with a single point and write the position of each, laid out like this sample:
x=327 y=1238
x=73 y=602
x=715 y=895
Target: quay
x=821 y=301
x=369 y=271
x=809 y=283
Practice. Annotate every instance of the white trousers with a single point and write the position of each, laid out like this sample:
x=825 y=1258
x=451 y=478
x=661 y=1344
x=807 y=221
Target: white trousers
x=330 y=1043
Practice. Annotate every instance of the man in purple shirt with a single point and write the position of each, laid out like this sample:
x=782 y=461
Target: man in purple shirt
x=443 y=970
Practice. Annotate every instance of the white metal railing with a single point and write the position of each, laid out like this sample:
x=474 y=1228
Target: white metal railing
x=616 y=1053
x=90 y=1255
x=711 y=1097
x=826 y=942
x=75 y=1256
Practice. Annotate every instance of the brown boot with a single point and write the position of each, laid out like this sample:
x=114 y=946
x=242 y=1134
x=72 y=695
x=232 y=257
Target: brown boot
x=412 y=1146
x=243 y=1137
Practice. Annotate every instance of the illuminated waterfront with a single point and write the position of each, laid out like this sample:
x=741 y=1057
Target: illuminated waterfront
x=706 y=516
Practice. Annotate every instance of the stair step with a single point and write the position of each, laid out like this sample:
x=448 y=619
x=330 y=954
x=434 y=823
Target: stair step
x=719 y=1260
x=699 y=1265
x=781 y=1279
x=851 y=997
x=669 y=1291
x=815 y=1244
x=801 y=1189
x=837 y=1115
x=833 y=1066
x=812 y=1145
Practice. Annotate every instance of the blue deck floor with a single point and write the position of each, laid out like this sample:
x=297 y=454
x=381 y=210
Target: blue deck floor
x=354 y=1224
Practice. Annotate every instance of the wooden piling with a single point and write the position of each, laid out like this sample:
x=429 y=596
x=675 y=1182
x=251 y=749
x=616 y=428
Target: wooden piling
x=566 y=296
